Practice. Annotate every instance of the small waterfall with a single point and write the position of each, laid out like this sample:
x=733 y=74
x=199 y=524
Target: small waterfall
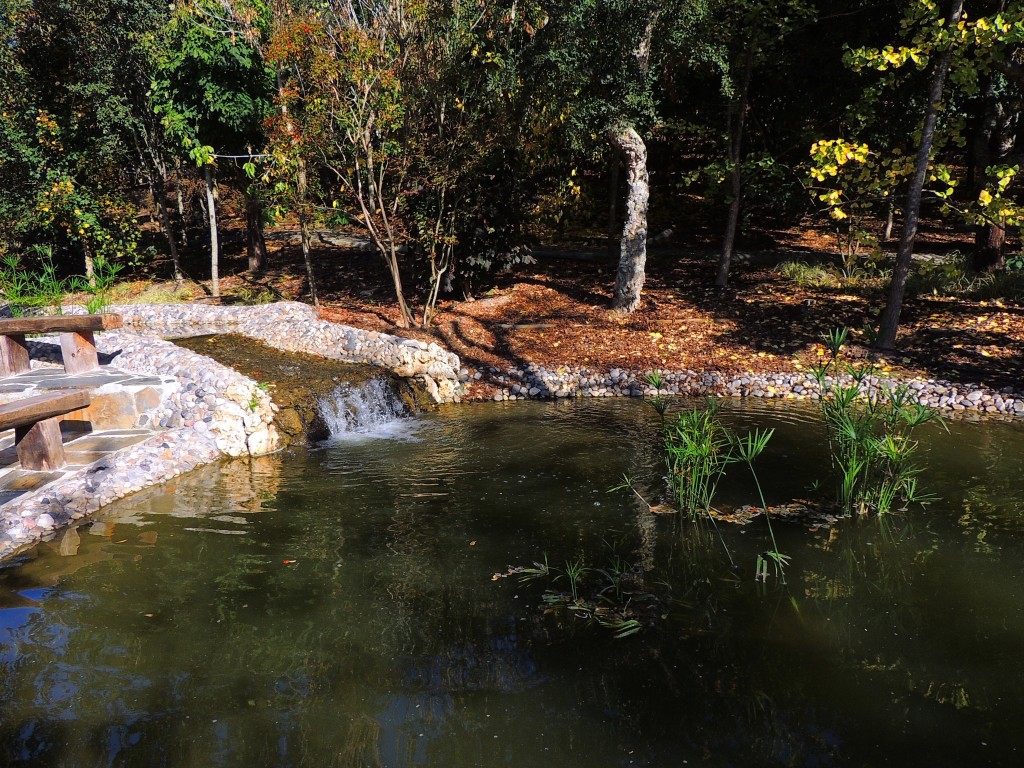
x=367 y=411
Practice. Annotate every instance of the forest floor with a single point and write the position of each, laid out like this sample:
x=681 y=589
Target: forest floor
x=556 y=313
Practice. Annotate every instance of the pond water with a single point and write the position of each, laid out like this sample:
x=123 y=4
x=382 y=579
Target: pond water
x=344 y=606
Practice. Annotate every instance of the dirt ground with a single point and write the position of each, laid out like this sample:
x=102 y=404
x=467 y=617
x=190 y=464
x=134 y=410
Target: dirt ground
x=555 y=313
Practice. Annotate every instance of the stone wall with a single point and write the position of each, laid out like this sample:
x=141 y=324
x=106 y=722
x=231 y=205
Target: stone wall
x=295 y=327
x=186 y=390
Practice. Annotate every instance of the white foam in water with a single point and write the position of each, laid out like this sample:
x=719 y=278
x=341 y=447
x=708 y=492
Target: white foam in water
x=367 y=412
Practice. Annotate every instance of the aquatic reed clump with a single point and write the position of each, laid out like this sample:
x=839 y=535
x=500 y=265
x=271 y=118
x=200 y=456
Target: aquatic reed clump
x=870 y=434
x=699 y=447
x=613 y=597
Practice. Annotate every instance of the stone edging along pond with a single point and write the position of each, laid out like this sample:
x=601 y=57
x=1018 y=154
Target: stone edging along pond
x=208 y=411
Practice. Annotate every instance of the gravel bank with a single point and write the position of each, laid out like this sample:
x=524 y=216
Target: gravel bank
x=536 y=382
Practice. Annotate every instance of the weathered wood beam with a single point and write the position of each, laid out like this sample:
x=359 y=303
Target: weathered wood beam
x=59 y=324
x=29 y=410
x=13 y=354
x=40 y=446
x=78 y=350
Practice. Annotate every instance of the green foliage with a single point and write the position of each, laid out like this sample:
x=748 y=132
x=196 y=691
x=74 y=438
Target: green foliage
x=253 y=294
x=210 y=86
x=811 y=275
x=97 y=289
x=870 y=434
x=30 y=290
x=699 y=447
x=67 y=124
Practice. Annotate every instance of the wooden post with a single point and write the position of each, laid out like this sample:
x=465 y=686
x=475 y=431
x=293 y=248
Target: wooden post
x=13 y=354
x=78 y=349
x=39 y=446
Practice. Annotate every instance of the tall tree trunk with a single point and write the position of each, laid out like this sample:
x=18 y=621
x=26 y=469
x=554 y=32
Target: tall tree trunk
x=737 y=118
x=993 y=141
x=211 y=208
x=255 y=242
x=990 y=247
x=180 y=195
x=890 y=320
x=629 y=281
x=302 y=191
x=167 y=227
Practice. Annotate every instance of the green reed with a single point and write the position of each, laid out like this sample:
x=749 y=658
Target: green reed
x=870 y=434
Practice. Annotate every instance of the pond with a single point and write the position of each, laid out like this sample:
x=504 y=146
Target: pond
x=348 y=605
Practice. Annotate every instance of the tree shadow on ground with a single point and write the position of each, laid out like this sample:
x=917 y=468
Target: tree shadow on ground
x=557 y=311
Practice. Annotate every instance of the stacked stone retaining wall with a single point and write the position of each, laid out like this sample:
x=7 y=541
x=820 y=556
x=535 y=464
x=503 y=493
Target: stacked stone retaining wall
x=295 y=327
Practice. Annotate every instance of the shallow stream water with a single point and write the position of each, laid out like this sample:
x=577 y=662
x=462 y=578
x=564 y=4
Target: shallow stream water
x=345 y=606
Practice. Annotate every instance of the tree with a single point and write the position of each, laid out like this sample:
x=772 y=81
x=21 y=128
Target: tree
x=749 y=33
x=940 y=46
x=338 y=99
x=212 y=91
x=72 y=82
x=601 y=70
x=963 y=56
x=409 y=110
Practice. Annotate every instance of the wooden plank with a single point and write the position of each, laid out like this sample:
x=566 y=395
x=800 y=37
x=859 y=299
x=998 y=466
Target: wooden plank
x=59 y=324
x=40 y=446
x=79 y=352
x=13 y=354
x=29 y=410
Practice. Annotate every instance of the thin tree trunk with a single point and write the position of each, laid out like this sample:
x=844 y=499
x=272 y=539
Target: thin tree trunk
x=307 y=257
x=737 y=117
x=405 y=316
x=181 y=210
x=629 y=281
x=168 y=228
x=90 y=267
x=889 y=221
x=255 y=242
x=211 y=207
x=890 y=320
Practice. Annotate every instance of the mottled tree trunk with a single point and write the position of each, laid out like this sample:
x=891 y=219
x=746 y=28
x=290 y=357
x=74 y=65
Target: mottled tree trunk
x=890 y=320
x=890 y=216
x=90 y=265
x=211 y=209
x=629 y=281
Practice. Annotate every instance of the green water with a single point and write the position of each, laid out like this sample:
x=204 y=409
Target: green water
x=337 y=607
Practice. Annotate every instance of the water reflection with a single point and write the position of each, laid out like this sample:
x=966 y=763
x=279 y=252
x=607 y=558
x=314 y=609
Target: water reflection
x=351 y=619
